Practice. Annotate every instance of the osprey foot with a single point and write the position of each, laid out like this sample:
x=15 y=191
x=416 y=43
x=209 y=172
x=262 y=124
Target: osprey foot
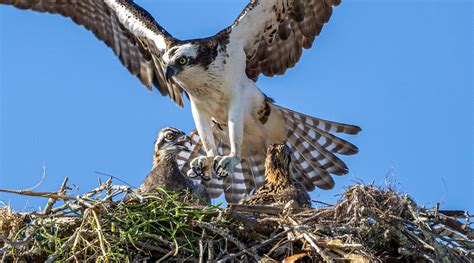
x=224 y=166
x=200 y=168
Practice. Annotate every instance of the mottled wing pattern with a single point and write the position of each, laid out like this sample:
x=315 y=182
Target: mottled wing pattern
x=248 y=175
x=129 y=30
x=314 y=148
x=274 y=33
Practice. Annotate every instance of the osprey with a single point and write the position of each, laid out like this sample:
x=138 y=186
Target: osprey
x=165 y=172
x=219 y=75
x=280 y=186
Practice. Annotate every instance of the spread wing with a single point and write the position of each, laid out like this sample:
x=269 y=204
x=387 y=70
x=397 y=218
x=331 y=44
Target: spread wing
x=129 y=30
x=274 y=32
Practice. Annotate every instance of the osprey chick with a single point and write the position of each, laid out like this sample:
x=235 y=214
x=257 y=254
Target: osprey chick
x=165 y=172
x=280 y=187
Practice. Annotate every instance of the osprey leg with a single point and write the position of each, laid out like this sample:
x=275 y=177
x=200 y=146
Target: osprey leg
x=224 y=165
x=200 y=166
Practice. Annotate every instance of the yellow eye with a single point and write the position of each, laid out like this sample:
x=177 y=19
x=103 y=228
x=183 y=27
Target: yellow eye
x=183 y=61
x=169 y=136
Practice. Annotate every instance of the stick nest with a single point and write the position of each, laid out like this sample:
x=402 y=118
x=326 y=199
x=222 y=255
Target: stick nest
x=114 y=223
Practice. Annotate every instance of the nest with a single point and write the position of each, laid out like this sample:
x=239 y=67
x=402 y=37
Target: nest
x=114 y=223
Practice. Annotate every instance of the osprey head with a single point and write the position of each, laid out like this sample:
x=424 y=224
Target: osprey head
x=187 y=61
x=278 y=156
x=171 y=141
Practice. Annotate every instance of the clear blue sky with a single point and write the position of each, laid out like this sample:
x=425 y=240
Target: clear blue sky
x=402 y=70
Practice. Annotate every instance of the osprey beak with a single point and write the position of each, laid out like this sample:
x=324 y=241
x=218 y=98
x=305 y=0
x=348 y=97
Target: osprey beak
x=170 y=72
x=185 y=142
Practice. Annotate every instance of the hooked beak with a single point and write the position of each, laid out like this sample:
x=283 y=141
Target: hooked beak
x=185 y=142
x=170 y=72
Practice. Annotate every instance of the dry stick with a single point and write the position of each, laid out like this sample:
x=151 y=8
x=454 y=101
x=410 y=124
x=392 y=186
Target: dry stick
x=307 y=237
x=151 y=247
x=16 y=243
x=322 y=203
x=52 y=201
x=165 y=256
x=65 y=246
x=83 y=202
x=313 y=217
x=82 y=251
x=97 y=190
x=210 y=251
x=39 y=194
x=456 y=225
x=171 y=245
x=425 y=229
x=227 y=236
x=261 y=209
x=262 y=244
x=201 y=246
x=251 y=224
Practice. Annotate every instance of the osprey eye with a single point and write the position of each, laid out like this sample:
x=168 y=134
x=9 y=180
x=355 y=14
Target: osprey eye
x=169 y=136
x=183 y=61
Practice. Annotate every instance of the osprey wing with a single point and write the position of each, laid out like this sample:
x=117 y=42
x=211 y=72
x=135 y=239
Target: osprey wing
x=274 y=32
x=128 y=29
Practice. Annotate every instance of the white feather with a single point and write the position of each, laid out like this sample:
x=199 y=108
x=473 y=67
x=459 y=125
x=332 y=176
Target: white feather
x=136 y=26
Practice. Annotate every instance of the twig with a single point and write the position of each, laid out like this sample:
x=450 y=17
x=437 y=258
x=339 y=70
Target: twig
x=258 y=246
x=261 y=209
x=16 y=244
x=201 y=247
x=307 y=237
x=115 y=177
x=227 y=236
x=165 y=256
x=38 y=194
x=151 y=247
x=322 y=203
x=64 y=247
x=52 y=201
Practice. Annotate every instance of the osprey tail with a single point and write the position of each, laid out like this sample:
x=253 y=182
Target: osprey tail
x=248 y=175
x=315 y=147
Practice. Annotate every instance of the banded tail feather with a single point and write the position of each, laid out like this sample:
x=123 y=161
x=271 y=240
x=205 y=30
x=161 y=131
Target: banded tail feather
x=314 y=155
x=314 y=148
x=316 y=123
x=234 y=187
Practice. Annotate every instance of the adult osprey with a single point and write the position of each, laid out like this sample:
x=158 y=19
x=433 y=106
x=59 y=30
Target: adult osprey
x=218 y=74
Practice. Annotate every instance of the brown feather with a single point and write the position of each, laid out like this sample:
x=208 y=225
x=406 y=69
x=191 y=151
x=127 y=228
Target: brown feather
x=279 y=45
x=280 y=187
x=134 y=52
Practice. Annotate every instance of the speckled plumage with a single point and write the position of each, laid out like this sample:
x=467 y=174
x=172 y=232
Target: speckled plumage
x=166 y=173
x=280 y=187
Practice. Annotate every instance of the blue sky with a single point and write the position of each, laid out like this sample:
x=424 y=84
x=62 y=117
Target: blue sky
x=402 y=70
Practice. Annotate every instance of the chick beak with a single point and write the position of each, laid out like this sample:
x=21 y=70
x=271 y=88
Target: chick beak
x=185 y=142
x=170 y=72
